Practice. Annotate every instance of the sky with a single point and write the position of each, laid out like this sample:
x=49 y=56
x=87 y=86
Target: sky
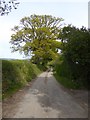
x=73 y=12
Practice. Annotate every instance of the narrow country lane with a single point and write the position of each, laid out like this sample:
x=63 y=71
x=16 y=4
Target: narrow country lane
x=44 y=98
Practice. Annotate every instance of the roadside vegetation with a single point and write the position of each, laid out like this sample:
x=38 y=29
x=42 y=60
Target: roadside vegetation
x=16 y=74
x=63 y=75
x=72 y=68
x=49 y=45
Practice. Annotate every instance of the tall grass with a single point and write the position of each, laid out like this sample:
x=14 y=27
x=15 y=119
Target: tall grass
x=16 y=74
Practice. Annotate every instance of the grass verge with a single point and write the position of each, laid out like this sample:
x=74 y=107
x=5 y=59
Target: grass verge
x=16 y=74
x=67 y=83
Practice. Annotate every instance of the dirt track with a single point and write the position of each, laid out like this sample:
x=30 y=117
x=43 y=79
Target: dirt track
x=44 y=98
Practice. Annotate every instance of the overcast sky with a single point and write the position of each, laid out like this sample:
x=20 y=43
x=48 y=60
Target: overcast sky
x=73 y=12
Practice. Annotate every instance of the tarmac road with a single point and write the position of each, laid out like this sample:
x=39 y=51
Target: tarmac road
x=44 y=98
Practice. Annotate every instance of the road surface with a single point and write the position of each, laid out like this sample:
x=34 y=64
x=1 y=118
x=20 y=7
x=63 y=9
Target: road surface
x=43 y=98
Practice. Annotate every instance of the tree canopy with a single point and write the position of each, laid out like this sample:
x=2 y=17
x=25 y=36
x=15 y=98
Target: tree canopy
x=75 y=44
x=37 y=36
x=75 y=49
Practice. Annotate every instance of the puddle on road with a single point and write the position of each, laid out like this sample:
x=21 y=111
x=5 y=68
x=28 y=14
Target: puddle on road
x=34 y=91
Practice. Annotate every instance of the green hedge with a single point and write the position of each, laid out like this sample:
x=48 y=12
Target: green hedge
x=64 y=75
x=16 y=73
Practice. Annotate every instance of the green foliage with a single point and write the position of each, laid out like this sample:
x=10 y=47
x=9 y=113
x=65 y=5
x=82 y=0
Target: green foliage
x=37 y=36
x=75 y=49
x=63 y=74
x=62 y=67
x=16 y=73
x=68 y=83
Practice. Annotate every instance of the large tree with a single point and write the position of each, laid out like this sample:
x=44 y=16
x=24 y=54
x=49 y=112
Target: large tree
x=36 y=35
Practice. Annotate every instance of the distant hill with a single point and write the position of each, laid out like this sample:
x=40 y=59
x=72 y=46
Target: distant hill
x=12 y=59
x=8 y=59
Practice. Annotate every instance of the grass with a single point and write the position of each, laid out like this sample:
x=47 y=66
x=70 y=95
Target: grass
x=11 y=91
x=16 y=74
x=67 y=83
